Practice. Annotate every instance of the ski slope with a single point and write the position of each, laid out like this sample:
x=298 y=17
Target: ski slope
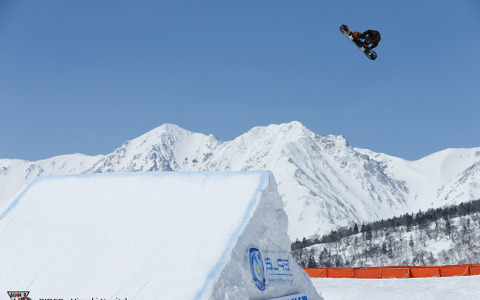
x=461 y=287
x=169 y=235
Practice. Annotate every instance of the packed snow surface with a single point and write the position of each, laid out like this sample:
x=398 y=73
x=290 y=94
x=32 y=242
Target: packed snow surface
x=157 y=235
x=461 y=287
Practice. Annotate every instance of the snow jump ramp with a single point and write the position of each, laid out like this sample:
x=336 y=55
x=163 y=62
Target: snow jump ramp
x=171 y=235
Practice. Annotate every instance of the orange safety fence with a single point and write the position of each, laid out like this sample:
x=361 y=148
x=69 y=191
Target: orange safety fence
x=370 y=273
x=395 y=271
x=341 y=272
x=475 y=270
x=419 y=272
x=317 y=272
x=459 y=270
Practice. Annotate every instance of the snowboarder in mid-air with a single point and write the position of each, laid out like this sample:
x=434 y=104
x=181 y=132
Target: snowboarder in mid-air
x=365 y=41
x=370 y=38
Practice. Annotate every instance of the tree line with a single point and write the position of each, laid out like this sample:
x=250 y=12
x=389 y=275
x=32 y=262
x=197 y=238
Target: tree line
x=420 y=219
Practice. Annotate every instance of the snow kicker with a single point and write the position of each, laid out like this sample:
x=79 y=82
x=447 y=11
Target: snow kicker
x=160 y=235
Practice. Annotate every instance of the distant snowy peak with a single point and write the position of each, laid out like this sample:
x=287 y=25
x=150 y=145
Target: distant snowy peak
x=443 y=178
x=324 y=182
x=165 y=148
x=465 y=185
x=285 y=132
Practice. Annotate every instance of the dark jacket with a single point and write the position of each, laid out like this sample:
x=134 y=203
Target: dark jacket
x=372 y=37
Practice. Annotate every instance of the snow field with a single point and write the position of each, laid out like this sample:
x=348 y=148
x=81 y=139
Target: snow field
x=461 y=287
x=169 y=235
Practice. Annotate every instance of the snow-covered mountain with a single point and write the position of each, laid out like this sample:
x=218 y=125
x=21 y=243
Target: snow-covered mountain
x=324 y=182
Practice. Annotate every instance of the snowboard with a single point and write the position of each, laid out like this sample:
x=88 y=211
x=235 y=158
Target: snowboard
x=349 y=34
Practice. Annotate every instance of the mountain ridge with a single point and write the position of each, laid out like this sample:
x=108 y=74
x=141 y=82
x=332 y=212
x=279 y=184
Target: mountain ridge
x=325 y=183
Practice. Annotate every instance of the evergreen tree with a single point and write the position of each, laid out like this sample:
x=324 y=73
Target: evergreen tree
x=311 y=262
x=355 y=229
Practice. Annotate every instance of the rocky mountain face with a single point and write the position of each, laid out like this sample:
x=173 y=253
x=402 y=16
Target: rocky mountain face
x=324 y=182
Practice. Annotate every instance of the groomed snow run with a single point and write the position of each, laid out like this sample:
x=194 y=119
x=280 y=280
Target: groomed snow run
x=460 y=287
x=169 y=235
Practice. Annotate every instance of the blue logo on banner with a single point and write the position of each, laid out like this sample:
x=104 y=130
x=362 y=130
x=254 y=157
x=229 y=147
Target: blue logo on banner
x=257 y=269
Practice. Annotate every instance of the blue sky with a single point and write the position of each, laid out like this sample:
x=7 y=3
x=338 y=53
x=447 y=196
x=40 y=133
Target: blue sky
x=85 y=76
